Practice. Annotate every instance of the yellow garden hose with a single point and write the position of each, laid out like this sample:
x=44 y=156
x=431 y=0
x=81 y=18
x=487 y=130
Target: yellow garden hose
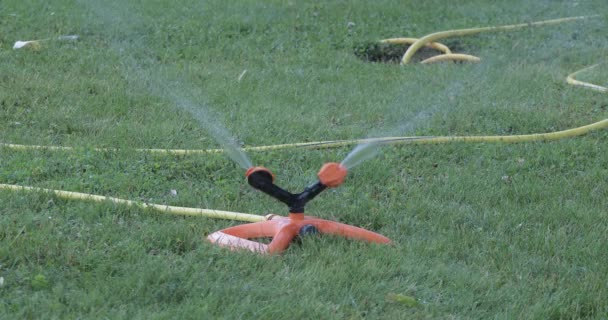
x=219 y=214
x=209 y=213
x=464 y=32
x=435 y=45
x=548 y=136
x=570 y=79
x=446 y=56
x=451 y=57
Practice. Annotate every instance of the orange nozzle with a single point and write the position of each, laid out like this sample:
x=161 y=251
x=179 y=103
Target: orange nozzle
x=258 y=169
x=332 y=174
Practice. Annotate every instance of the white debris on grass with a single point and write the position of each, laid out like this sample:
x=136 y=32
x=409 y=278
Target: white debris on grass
x=22 y=44
x=35 y=44
x=242 y=75
x=68 y=37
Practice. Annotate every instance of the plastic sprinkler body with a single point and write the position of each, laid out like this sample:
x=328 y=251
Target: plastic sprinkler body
x=284 y=229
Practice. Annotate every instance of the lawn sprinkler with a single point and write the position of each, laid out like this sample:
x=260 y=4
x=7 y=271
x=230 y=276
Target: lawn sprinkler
x=283 y=230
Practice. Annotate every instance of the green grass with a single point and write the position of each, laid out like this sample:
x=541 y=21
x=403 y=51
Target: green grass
x=480 y=230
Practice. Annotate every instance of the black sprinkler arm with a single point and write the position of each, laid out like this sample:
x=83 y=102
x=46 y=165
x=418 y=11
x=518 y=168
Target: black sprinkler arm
x=261 y=179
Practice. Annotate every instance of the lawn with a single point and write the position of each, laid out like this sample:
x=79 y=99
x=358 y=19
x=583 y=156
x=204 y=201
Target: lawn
x=480 y=230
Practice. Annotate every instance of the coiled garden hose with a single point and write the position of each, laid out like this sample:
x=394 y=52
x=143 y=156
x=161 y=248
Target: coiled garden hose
x=409 y=53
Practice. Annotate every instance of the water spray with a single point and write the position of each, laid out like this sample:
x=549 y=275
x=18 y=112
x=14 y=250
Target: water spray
x=283 y=230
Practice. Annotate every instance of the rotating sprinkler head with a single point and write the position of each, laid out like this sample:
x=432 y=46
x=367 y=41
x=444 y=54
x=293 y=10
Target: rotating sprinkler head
x=283 y=230
x=331 y=175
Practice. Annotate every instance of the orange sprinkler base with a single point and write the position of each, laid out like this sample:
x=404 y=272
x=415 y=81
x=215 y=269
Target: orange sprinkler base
x=283 y=230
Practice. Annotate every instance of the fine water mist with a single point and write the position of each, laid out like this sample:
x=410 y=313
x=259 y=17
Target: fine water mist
x=127 y=32
x=123 y=25
x=188 y=98
x=416 y=119
x=368 y=150
x=201 y=114
x=361 y=153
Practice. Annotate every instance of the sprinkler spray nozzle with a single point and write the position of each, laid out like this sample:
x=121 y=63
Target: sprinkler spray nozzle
x=259 y=175
x=332 y=174
x=262 y=179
